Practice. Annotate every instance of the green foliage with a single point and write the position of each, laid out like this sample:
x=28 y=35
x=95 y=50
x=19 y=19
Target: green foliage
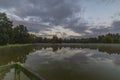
x=5 y=29
x=55 y=39
x=21 y=34
x=108 y=38
x=8 y=34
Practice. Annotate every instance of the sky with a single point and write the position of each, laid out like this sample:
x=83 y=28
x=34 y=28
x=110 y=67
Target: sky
x=65 y=18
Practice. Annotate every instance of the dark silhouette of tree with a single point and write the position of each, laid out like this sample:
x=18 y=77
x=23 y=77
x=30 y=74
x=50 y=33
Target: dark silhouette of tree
x=5 y=29
x=55 y=39
x=21 y=34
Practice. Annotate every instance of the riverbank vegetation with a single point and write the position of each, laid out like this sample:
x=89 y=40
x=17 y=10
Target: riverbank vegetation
x=10 y=34
x=108 y=38
x=14 y=45
x=19 y=34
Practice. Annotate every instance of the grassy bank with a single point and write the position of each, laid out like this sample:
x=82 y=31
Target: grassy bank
x=14 y=45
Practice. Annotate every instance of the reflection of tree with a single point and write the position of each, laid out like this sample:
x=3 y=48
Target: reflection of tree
x=111 y=49
x=100 y=47
x=55 y=49
x=14 y=54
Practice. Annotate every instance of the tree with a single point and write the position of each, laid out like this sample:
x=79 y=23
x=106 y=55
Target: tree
x=55 y=39
x=5 y=29
x=21 y=34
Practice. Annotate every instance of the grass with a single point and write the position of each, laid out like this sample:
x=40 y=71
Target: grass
x=14 y=45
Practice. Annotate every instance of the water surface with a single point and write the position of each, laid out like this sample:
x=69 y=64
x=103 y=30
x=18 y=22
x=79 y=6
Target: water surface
x=65 y=62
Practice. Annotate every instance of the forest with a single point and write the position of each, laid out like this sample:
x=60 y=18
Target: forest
x=19 y=34
x=107 y=38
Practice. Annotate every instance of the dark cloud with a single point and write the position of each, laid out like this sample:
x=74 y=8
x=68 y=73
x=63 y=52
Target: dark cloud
x=32 y=27
x=54 y=11
x=116 y=26
x=113 y=28
x=77 y=24
x=100 y=31
x=7 y=4
x=66 y=13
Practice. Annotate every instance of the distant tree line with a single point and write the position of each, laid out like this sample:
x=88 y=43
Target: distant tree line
x=108 y=38
x=10 y=34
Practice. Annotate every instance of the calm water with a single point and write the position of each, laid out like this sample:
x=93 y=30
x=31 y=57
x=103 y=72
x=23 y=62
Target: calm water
x=83 y=62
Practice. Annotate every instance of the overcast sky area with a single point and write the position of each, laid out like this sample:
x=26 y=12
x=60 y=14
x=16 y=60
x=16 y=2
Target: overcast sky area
x=76 y=18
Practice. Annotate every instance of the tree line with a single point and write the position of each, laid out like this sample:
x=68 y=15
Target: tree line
x=10 y=34
x=107 y=38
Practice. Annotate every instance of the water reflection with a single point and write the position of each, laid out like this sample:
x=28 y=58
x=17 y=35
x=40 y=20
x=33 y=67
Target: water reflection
x=67 y=62
x=12 y=72
x=14 y=54
x=83 y=62
x=108 y=48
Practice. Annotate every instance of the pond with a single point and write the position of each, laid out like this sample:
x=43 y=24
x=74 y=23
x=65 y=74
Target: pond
x=65 y=62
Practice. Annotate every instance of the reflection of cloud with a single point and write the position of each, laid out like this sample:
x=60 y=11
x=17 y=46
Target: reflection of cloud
x=73 y=61
x=58 y=55
x=46 y=56
x=66 y=57
x=101 y=56
x=79 y=59
x=116 y=60
x=73 y=55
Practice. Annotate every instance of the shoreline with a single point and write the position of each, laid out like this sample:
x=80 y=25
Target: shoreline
x=74 y=44
x=58 y=44
x=14 y=45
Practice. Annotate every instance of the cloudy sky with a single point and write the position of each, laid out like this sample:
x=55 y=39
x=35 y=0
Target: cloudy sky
x=76 y=18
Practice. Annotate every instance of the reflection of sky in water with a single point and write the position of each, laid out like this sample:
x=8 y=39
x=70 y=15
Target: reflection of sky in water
x=82 y=55
x=60 y=54
x=46 y=56
x=79 y=62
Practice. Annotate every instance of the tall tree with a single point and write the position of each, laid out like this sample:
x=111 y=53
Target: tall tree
x=55 y=39
x=21 y=34
x=5 y=29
